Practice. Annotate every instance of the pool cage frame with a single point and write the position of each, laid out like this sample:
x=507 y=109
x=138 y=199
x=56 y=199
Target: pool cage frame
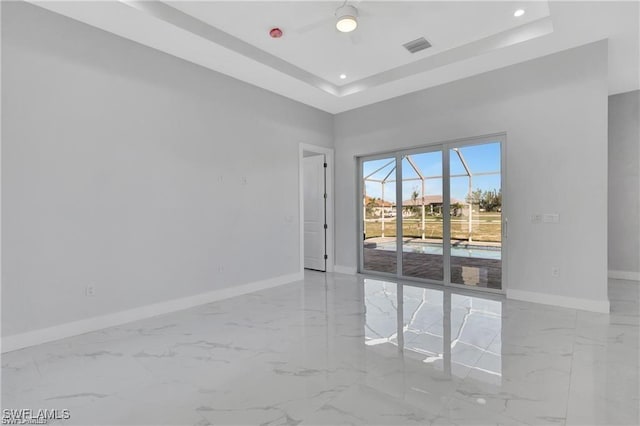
x=422 y=178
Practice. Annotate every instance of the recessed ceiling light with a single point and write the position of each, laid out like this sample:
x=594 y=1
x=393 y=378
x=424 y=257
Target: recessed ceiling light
x=343 y=76
x=518 y=13
x=347 y=19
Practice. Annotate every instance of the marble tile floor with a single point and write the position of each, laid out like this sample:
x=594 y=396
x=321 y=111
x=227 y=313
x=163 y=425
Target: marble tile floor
x=337 y=349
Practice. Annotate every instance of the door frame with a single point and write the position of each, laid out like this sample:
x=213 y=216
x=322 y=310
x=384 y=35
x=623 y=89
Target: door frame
x=445 y=147
x=329 y=216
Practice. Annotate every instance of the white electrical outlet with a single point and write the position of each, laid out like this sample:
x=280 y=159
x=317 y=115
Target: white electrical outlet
x=220 y=268
x=90 y=290
x=244 y=180
x=555 y=271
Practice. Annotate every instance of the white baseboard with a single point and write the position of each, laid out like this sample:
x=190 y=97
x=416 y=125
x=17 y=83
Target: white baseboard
x=57 y=332
x=345 y=270
x=601 y=306
x=624 y=275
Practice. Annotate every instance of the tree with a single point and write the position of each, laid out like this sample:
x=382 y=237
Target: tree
x=488 y=201
x=456 y=209
x=414 y=199
x=491 y=200
x=475 y=197
x=371 y=204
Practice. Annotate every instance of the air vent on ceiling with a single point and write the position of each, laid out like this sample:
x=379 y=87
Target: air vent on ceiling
x=417 y=45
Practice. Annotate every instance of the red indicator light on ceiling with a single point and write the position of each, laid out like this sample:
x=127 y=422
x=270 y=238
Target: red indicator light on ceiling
x=275 y=32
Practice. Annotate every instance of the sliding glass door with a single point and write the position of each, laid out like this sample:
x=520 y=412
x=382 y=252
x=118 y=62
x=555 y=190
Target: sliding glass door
x=435 y=213
x=379 y=245
x=422 y=225
x=476 y=214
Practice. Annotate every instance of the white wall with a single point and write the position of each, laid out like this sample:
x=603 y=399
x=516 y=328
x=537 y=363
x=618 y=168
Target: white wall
x=123 y=167
x=554 y=112
x=624 y=185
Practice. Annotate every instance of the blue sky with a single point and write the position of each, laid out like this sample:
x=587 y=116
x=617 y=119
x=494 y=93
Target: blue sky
x=480 y=158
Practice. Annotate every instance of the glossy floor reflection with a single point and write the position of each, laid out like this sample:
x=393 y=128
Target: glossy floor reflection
x=339 y=349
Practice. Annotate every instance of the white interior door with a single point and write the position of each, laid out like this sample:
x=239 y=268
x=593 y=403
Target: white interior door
x=314 y=213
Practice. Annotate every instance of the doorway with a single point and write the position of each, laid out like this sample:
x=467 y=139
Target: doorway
x=435 y=214
x=316 y=208
x=315 y=211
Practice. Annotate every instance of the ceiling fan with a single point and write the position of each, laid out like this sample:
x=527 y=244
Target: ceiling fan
x=345 y=20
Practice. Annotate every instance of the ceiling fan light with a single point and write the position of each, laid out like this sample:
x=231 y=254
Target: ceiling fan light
x=346 y=24
x=347 y=19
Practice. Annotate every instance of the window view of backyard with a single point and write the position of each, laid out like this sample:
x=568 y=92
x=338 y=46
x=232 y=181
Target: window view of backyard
x=475 y=214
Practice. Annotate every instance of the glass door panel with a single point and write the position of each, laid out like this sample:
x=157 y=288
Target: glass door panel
x=422 y=218
x=379 y=253
x=476 y=215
